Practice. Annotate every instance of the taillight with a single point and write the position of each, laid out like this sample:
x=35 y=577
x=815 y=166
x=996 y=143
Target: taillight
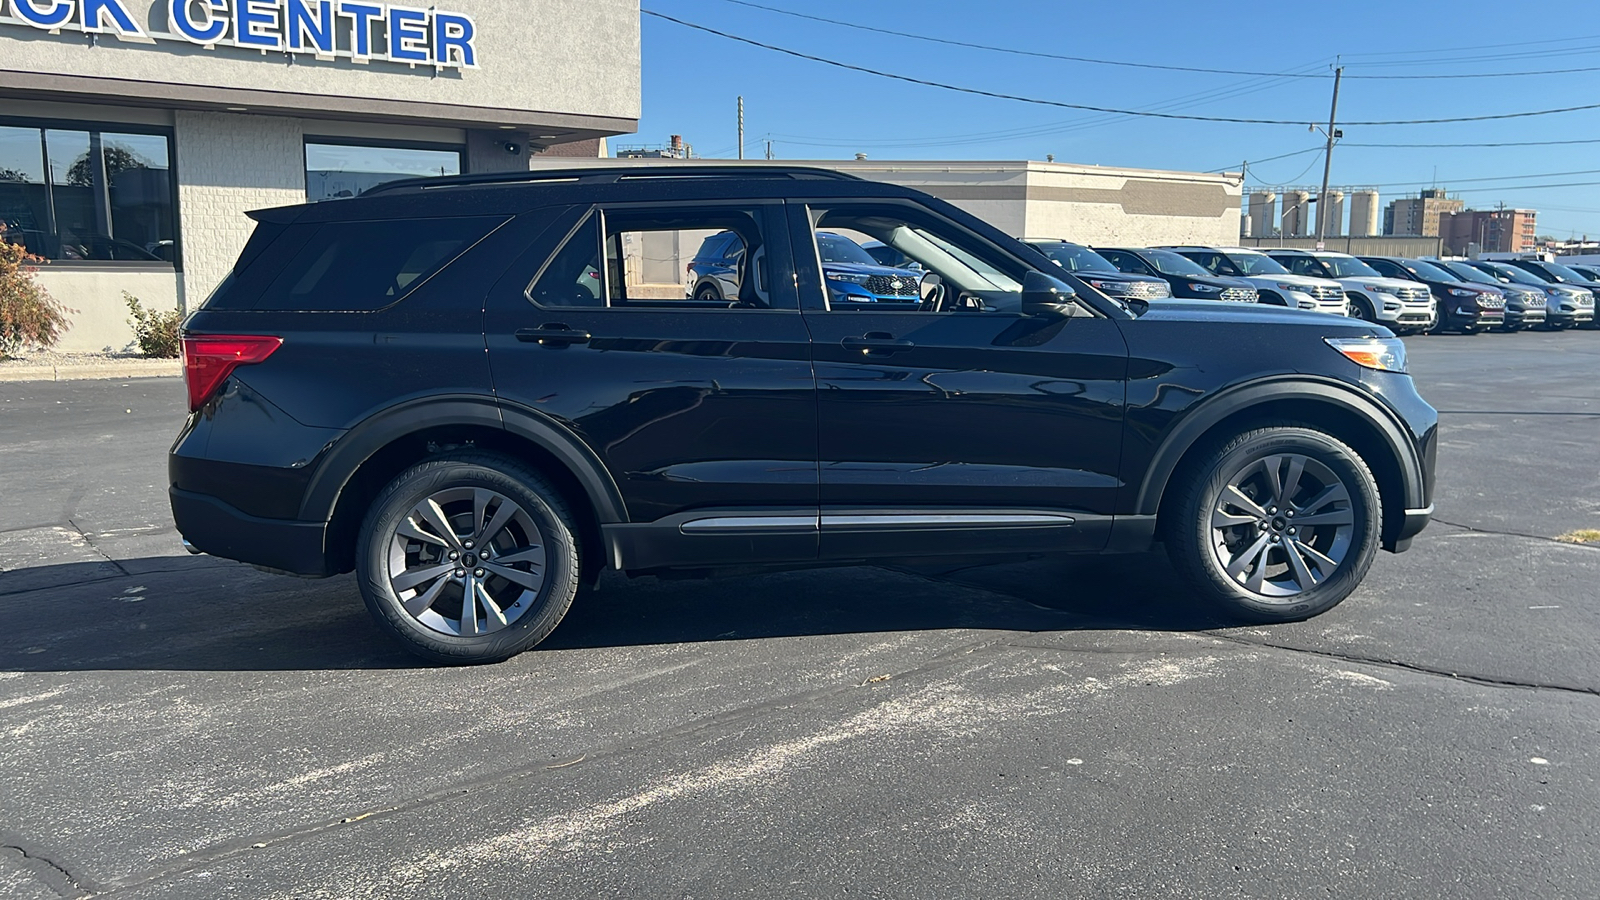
x=208 y=360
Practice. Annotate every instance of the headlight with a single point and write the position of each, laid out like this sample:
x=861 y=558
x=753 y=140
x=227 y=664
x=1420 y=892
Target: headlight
x=846 y=277
x=1555 y=292
x=1382 y=288
x=1383 y=354
x=1463 y=292
x=1297 y=288
x=1115 y=288
x=1205 y=289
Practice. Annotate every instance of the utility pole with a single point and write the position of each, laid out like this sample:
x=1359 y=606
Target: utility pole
x=1327 y=161
x=741 y=127
x=769 y=149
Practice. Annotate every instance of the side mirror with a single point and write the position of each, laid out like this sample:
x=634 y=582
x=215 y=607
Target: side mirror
x=1046 y=296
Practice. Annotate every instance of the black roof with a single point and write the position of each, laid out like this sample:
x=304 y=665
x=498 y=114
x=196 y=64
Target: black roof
x=611 y=174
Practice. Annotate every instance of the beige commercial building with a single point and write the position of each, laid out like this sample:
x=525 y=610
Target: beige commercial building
x=1419 y=216
x=134 y=134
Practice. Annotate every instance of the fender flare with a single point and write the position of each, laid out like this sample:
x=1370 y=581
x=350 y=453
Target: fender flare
x=358 y=445
x=1198 y=420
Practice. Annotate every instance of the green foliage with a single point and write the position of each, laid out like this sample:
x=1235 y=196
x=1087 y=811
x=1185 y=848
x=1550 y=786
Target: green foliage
x=28 y=315
x=156 y=332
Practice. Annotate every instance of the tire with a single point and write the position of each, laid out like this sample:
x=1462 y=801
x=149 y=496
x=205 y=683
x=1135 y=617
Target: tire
x=1281 y=574
x=708 y=293
x=1271 y=299
x=526 y=579
x=1361 y=310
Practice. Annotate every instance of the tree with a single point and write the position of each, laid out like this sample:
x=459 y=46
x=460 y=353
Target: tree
x=118 y=160
x=28 y=315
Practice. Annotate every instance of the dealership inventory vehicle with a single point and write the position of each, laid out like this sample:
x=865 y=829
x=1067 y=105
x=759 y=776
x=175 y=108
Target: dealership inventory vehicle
x=424 y=385
x=1556 y=273
x=1400 y=303
x=1098 y=271
x=1185 y=277
x=1467 y=306
x=1274 y=283
x=1566 y=305
x=1525 y=304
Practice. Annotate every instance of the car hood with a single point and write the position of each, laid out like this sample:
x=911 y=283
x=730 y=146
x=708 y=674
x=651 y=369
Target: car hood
x=1301 y=280
x=1360 y=281
x=1233 y=314
x=1125 y=277
x=864 y=269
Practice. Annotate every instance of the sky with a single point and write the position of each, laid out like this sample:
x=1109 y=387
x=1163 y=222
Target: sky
x=811 y=110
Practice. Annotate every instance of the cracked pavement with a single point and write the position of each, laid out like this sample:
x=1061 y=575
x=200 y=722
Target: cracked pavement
x=179 y=726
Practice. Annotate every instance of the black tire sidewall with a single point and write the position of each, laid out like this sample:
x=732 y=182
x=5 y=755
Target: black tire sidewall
x=1191 y=543
x=535 y=495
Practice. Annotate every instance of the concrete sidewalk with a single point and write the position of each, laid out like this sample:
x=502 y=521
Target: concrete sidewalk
x=51 y=366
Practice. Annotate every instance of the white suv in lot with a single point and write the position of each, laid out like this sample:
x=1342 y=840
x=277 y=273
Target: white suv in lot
x=1404 y=306
x=1273 y=283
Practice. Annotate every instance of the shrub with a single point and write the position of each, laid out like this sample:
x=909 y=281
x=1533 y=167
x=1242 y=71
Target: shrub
x=156 y=332
x=28 y=315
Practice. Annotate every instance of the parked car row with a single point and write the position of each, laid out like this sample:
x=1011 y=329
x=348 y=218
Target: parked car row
x=1409 y=296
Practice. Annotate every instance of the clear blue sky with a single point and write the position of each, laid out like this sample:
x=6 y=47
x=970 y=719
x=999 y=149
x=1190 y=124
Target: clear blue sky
x=814 y=111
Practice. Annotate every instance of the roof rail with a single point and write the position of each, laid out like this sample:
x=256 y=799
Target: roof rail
x=610 y=174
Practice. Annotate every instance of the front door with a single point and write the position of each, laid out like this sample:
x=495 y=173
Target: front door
x=957 y=423
x=702 y=408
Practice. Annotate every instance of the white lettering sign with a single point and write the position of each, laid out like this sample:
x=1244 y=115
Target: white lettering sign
x=355 y=29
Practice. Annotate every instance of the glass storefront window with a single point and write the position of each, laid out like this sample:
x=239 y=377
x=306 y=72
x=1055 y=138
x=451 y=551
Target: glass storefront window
x=87 y=195
x=345 y=170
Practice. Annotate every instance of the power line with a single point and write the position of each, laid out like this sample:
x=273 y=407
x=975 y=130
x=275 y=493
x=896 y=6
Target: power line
x=1013 y=51
x=1099 y=109
x=1499 y=144
x=1452 y=181
x=1257 y=162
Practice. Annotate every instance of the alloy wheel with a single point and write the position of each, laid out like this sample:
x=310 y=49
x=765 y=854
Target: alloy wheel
x=467 y=562
x=1282 y=525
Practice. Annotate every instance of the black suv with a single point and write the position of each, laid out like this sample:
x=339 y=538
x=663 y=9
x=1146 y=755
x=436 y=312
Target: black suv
x=477 y=393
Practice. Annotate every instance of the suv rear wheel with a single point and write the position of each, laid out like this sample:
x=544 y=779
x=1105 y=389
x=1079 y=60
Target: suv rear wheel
x=1278 y=524
x=468 y=558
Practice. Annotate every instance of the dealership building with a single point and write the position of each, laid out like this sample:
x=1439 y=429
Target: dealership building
x=135 y=134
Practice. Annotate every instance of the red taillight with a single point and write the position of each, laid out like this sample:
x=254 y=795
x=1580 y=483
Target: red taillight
x=208 y=360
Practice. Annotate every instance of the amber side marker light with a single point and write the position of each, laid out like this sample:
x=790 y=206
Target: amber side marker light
x=208 y=360
x=1383 y=354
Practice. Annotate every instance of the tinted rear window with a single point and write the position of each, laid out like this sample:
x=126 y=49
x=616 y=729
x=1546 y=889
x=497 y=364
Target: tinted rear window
x=369 y=265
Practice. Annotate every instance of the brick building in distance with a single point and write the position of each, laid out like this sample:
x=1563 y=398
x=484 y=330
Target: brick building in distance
x=1489 y=231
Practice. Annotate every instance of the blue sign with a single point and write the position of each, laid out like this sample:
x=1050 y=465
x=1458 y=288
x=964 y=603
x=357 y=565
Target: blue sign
x=353 y=29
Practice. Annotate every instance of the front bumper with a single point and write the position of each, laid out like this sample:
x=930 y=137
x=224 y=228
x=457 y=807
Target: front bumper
x=211 y=526
x=1415 y=521
x=1339 y=307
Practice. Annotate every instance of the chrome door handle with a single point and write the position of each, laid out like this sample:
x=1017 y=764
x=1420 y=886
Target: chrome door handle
x=553 y=335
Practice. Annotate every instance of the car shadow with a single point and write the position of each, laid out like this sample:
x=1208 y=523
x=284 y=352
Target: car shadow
x=209 y=615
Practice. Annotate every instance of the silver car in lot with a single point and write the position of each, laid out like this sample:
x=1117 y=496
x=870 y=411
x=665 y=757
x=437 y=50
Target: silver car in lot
x=1406 y=307
x=1273 y=283
x=1566 y=305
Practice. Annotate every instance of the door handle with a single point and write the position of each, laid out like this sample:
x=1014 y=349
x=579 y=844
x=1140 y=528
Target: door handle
x=553 y=335
x=876 y=343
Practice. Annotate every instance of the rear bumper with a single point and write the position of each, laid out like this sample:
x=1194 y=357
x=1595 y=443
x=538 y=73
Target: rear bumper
x=211 y=526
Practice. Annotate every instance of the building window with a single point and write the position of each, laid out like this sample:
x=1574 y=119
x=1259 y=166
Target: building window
x=335 y=170
x=82 y=194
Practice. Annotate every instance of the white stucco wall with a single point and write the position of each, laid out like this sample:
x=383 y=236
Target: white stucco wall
x=229 y=164
x=98 y=316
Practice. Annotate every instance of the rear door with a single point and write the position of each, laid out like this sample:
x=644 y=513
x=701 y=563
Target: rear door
x=964 y=427
x=703 y=411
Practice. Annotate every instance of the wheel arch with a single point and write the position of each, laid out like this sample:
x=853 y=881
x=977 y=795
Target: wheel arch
x=368 y=457
x=1365 y=425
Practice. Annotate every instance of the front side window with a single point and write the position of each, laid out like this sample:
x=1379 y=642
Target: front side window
x=1428 y=271
x=1175 y=264
x=1257 y=264
x=1125 y=261
x=88 y=195
x=336 y=170
x=1302 y=265
x=1350 y=267
x=1074 y=258
x=945 y=270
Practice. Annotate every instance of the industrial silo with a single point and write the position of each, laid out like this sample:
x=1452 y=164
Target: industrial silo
x=1364 y=217
x=1296 y=213
x=1263 y=205
x=1333 y=225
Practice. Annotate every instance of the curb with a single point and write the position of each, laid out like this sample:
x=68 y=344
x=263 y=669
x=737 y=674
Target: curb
x=144 y=368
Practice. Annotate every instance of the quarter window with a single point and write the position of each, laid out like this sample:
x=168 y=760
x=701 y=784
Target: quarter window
x=87 y=194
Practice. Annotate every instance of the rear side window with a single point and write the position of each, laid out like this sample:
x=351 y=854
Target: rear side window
x=358 y=266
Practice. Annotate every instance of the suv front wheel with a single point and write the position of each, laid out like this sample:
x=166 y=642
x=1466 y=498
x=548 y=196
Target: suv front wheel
x=1278 y=524
x=468 y=558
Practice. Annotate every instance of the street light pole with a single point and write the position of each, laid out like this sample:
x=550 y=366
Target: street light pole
x=1327 y=161
x=741 y=127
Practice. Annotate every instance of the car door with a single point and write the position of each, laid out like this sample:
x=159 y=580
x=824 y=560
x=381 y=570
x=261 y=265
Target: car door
x=968 y=428
x=702 y=412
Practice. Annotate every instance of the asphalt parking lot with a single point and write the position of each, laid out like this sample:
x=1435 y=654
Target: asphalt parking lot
x=178 y=727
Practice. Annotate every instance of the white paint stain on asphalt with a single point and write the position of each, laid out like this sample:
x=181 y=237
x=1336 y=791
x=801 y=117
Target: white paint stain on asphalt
x=32 y=698
x=1370 y=681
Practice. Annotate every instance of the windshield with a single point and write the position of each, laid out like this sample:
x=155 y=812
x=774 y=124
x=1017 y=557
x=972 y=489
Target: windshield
x=1169 y=263
x=1520 y=276
x=1565 y=274
x=1349 y=267
x=1428 y=271
x=1074 y=258
x=1467 y=273
x=839 y=249
x=1257 y=264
